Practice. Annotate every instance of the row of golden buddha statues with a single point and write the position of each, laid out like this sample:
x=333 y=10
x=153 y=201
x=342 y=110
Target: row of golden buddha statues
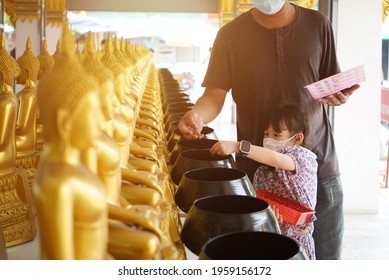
x=83 y=153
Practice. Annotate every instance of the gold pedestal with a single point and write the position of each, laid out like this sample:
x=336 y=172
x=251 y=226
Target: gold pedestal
x=16 y=215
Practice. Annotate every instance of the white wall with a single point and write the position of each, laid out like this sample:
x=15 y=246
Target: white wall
x=357 y=123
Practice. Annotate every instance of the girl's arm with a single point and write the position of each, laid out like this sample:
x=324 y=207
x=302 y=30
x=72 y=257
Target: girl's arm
x=257 y=153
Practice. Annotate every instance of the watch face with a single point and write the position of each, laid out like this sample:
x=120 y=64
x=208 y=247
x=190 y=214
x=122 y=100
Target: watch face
x=245 y=146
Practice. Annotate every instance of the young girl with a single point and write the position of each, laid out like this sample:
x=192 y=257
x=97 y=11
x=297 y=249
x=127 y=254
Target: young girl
x=289 y=169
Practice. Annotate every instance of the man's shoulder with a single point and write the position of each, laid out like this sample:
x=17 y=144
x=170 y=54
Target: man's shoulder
x=242 y=19
x=312 y=15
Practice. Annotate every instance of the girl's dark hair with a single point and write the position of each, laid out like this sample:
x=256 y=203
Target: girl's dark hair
x=292 y=118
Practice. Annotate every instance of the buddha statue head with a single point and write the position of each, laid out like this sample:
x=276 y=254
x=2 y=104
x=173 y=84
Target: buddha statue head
x=110 y=61
x=46 y=61
x=130 y=51
x=8 y=66
x=122 y=59
x=61 y=92
x=93 y=65
x=29 y=65
x=58 y=51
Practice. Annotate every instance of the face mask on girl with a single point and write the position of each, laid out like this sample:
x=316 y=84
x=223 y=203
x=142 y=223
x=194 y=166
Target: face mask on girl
x=275 y=145
x=269 y=7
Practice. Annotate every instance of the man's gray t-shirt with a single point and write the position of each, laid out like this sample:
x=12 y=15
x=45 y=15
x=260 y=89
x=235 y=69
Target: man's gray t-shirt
x=265 y=68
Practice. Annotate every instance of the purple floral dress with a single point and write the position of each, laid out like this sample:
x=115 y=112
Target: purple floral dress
x=299 y=185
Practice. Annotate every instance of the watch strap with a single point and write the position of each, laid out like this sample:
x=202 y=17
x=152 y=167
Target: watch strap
x=244 y=148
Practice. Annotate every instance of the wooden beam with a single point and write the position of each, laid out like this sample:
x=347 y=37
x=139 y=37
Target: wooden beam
x=179 y=6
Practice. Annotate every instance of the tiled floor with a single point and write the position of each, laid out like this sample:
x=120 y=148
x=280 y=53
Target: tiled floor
x=366 y=235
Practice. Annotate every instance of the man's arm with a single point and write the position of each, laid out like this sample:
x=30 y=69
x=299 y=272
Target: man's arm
x=210 y=104
x=206 y=109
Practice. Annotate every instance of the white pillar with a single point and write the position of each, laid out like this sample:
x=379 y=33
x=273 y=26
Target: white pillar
x=55 y=13
x=357 y=123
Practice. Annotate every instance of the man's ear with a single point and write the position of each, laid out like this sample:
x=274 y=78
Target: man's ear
x=299 y=138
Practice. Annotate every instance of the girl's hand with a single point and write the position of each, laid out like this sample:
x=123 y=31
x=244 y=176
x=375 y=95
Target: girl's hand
x=277 y=214
x=223 y=148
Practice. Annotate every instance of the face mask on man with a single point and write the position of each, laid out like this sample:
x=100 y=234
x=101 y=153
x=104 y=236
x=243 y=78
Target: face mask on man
x=275 y=145
x=269 y=7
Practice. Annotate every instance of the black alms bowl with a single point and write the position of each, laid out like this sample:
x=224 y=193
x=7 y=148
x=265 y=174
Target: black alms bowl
x=203 y=182
x=190 y=144
x=212 y=216
x=176 y=135
x=252 y=245
x=196 y=159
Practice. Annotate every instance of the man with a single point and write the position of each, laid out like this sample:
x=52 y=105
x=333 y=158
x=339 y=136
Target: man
x=265 y=57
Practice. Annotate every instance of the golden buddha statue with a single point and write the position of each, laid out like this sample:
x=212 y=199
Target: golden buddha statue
x=3 y=247
x=127 y=106
x=46 y=61
x=123 y=60
x=138 y=76
x=114 y=137
x=46 y=64
x=79 y=53
x=148 y=184
x=131 y=52
x=120 y=211
x=70 y=199
x=58 y=51
x=26 y=131
x=114 y=125
x=16 y=215
x=127 y=48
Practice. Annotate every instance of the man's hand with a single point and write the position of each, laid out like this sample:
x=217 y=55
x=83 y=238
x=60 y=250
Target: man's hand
x=191 y=125
x=340 y=97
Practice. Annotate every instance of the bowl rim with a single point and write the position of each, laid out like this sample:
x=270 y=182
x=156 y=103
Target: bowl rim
x=220 y=196
x=245 y=234
x=216 y=169
x=185 y=154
